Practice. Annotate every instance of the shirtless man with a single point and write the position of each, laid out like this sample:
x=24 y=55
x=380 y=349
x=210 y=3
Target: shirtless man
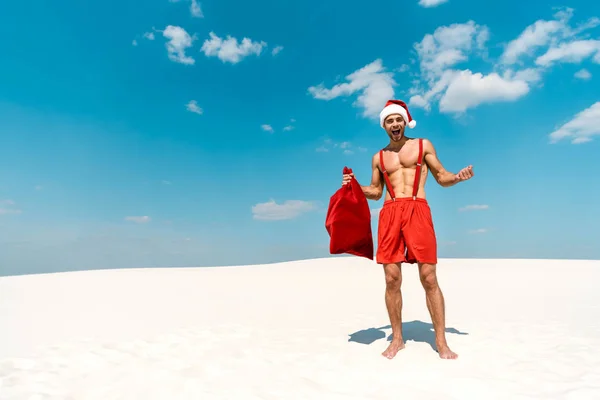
x=406 y=233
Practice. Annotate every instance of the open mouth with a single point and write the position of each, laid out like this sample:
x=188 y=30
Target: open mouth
x=396 y=132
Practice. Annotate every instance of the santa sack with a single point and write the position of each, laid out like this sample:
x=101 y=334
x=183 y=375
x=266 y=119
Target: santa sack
x=348 y=221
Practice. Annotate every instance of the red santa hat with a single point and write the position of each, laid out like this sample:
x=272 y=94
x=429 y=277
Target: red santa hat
x=396 y=107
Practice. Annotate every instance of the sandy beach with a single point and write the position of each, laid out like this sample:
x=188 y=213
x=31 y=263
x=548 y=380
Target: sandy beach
x=314 y=329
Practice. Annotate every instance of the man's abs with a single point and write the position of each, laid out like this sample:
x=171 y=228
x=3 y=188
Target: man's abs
x=403 y=179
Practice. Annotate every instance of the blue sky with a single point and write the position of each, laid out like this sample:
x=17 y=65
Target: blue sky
x=184 y=133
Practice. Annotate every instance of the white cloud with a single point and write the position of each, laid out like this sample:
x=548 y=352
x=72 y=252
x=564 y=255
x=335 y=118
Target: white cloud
x=581 y=128
x=372 y=82
x=346 y=147
x=556 y=34
x=530 y=75
x=145 y=35
x=534 y=36
x=6 y=208
x=277 y=50
x=583 y=74
x=431 y=3
x=458 y=90
x=192 y=106
x=289 y=209
x=474 y=207
x=179 y=41
x=448 y=46
x=478 y=231
x=559 y=39
x=229 y=50
x=439 y=53
x=138 y=220
x=289 y=127
x=269 y=128
x=572 y=52
x=195 y=9
x=467 y=90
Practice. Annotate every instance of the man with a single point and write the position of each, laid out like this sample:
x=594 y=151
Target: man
x=406 y=233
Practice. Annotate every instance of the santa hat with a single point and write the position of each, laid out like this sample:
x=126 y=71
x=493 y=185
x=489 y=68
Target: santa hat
x=396 y=107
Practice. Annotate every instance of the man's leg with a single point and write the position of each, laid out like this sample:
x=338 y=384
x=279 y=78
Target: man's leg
x=393 y=302
x=436 y=307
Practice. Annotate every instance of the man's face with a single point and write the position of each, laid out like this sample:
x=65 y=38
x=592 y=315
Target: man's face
x=394 y=126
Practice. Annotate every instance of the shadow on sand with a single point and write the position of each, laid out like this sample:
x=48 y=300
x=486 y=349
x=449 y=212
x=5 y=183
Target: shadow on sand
x=417 y=331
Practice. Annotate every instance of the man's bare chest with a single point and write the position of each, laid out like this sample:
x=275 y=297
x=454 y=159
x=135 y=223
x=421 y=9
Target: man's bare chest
x=405 y=158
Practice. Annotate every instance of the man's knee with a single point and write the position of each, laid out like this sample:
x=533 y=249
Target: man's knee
x=393 y=276
x=428 y=277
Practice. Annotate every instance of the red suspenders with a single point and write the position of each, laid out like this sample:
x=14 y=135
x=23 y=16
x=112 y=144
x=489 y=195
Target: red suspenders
x=418 y=172
x=388 y=184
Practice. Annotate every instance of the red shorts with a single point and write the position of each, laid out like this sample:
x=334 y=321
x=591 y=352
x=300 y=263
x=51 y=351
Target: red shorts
x=406 y=233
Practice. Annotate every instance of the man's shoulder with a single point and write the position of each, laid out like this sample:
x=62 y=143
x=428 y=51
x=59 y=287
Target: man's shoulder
x=427 y=144
x=375 y=158
x=424 y=139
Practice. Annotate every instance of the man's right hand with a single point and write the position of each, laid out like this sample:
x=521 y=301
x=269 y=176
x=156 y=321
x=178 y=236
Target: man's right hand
x=347 y=178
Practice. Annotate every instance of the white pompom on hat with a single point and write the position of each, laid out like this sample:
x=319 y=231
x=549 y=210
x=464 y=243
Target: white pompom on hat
x=396 y=107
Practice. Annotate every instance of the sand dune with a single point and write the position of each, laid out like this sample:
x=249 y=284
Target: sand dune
x=315 y=329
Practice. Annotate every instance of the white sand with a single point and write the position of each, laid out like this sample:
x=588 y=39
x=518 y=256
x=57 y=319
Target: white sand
x=523 y=329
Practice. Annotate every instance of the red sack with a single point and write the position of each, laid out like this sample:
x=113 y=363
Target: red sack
x=348 y=221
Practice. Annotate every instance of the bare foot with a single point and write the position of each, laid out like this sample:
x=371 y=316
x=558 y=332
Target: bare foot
x=447 y=354
x=393 y=348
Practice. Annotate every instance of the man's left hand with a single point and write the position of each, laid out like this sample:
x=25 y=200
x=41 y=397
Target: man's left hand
x=465 y=174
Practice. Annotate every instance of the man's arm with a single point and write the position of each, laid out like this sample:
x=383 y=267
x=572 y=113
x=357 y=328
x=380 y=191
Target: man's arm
x=375 y=190
x=441 y=175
